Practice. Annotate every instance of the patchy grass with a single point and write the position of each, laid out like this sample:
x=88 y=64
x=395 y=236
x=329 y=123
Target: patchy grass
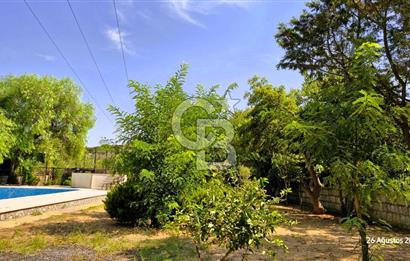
x=91 y=235
x=37 y=213
x=172 y=248
x=23 y=244
x=92 y=228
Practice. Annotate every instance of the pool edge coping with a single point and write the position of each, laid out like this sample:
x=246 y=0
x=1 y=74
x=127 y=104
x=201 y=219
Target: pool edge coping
x=22 y=206
x=15 y=214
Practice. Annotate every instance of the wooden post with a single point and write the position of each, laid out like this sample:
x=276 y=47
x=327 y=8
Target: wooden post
x=95 y=159
x=105 y=165
x=85 y=156
x=46 y=174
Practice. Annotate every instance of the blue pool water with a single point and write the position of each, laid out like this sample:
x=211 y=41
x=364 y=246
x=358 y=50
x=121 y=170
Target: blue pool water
x=15 y=192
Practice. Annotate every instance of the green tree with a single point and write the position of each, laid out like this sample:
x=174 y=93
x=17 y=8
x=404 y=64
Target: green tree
x=152 y=156
x=364 y=153
x=274 y=145
x=234 y=217
x=166 y=184
x=7 y=138
x=323 y=38
x=50 y=121
x=261 y=129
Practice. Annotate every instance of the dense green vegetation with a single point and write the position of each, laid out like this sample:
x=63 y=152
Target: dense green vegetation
x=42 y=120
x=357 y=93
x=348 y=127
x=168 y=185
x=195 y=166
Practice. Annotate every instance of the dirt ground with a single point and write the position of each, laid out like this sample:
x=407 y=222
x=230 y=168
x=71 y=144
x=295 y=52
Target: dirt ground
x=91 y=235
x=321 y=237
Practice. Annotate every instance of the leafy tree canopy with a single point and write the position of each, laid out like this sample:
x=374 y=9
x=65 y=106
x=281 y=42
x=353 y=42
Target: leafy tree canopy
x=50 y=121
x=322 y=41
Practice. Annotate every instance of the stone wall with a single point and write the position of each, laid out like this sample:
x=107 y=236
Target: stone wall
x=396 y=214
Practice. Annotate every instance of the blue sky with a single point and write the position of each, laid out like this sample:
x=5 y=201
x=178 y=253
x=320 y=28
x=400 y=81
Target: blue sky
x=223 y=42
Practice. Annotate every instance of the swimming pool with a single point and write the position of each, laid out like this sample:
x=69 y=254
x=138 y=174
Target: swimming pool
x=18 y=192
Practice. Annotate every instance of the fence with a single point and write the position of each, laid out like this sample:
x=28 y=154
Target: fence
x=95 y=160
x=59 y=175
x=396 y=214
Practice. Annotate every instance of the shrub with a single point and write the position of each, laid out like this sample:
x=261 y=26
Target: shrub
x=67 y=182
x=58 y=177
x=27 y=172
x=125 y=203
x=156 y=163
x=30 y=179
x=233 y=217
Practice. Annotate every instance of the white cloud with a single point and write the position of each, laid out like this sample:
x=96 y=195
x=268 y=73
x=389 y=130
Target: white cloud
x=113 y=35
x=183 y=9
x=124 y=8
x=186 y=9
x=48 y=58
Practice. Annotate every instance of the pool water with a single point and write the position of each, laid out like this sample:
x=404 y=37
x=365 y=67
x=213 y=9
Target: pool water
x=15 y=192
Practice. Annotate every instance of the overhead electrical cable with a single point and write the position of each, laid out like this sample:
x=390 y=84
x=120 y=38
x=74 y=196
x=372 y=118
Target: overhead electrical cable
x=90 y=52
x=121 y=41
x=64 y=58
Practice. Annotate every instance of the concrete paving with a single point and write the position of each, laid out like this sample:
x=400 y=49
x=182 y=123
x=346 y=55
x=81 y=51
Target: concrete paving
x=30 y=202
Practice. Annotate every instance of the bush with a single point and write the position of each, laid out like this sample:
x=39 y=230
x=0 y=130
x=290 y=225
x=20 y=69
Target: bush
x=27 y=172
x=67 y=182
x=152 y=156
x=125 y=203
x=58 y=177
x=30 y=179
x=234 y=217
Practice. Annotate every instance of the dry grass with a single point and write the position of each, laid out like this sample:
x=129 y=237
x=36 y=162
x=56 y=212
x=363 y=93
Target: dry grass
x=91 y=235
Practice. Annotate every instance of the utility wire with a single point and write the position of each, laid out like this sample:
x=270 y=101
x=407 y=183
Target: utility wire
x=121 y=42
x=64 y=57
x=90 y=52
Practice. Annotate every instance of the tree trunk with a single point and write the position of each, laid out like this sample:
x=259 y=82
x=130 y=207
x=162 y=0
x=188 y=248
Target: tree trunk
x=403 y=122
x=313 y=190
x=405 y=128
x=198 y=252
x=314 y=196
x=362 y=230
x=13 y=172
x=343 y=207
x=224 y=258
x=346 y=203
x=363 y=243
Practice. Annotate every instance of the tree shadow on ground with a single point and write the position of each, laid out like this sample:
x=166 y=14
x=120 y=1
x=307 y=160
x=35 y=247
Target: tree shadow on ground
x=322 y=237
x=86 y=223
x=313 y=238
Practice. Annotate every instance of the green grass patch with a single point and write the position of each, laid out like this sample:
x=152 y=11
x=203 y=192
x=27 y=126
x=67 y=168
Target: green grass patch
x=172 y=248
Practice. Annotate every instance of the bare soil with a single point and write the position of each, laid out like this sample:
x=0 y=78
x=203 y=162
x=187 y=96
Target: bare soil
x=91 y=235
x=322 y=237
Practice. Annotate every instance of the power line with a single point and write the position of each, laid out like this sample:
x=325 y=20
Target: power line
x=121 y=42
x=90 y=52
x=64 y=57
